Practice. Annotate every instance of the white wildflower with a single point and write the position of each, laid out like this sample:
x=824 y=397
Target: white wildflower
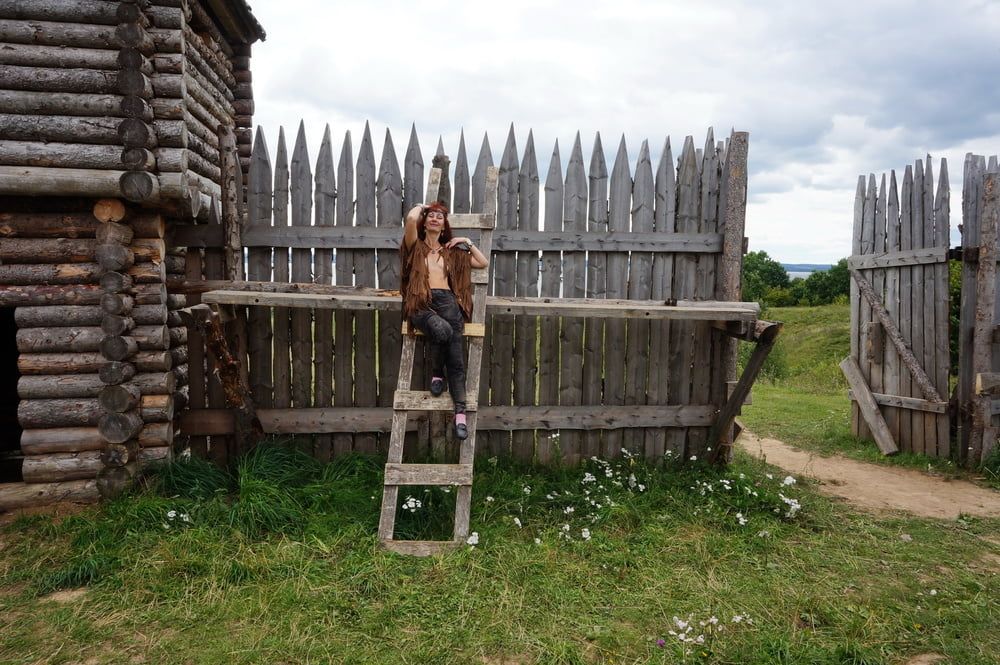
x=788 y=481
x=693 y=458
x=473 y=538
x=569 y=509
x=527 y=489
x=171 y=514
x=538 y=541
x=517 y=521
x=585 y=534
x=489 y=499
x=588 y=477
x=741 y=519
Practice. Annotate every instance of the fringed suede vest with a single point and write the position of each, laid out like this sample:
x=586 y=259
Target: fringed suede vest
x=415 y=281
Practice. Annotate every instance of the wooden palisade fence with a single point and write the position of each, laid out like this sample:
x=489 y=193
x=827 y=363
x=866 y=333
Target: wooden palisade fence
x=608 y=373
x=900 y=359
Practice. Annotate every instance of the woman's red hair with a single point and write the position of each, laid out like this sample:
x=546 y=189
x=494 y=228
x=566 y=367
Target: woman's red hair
x=437 y=206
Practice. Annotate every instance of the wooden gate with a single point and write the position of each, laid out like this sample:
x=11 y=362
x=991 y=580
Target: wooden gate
x=898 y=367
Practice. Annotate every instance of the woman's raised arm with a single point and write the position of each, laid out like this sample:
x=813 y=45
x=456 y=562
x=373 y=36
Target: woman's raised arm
x=410 y=227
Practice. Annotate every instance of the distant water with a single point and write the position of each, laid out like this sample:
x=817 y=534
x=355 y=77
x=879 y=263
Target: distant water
x=795 y=274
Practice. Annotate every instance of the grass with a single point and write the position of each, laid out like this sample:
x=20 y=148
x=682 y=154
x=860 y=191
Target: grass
x=277 y=562
x=802 y=398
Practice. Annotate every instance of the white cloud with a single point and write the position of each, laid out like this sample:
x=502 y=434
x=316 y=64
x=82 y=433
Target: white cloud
x=827 y=92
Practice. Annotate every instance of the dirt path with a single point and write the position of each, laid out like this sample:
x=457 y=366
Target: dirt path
x=877 y=487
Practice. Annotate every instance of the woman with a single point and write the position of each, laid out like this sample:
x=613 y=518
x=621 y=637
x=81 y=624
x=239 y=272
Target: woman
x=437 y=295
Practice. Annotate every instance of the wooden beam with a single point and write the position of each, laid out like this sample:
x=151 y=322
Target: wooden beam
x=912 y=257
x=718 y=435
x=507 y=240
x=912 y=403
x=573 y=307
x=30 y=495
x=988 y=383
x=868 y=406
x=207 y=422
x=985 y=312
x=428 y=474
x=916 y=371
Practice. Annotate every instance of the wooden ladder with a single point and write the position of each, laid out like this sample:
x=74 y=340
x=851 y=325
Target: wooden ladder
x=406 y=400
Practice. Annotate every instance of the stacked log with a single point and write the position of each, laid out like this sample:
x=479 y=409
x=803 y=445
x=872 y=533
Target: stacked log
x=118 y=402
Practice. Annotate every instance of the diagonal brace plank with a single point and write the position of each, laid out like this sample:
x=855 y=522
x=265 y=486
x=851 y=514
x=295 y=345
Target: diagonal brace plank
x=766 y=334
x=868 y=406
x=905 y=354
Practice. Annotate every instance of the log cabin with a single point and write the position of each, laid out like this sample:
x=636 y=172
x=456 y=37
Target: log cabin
x=114 y=118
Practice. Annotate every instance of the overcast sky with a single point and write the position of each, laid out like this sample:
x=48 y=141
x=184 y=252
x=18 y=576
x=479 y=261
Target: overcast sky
x=827 y=91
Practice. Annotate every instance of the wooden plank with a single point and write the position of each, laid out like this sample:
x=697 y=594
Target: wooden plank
x=617 y=279
x=932 y=293
x=470 y=329
x=597 y=288
x=196 y=353
x=971 y=181
x=433 y=436
x=343 y=320
x=420 y=547
x=389 y=198
x=332 y=420
x=918 y=323
x=301 y=215
x=661 y=288
x=921 y=256
x=639 y=288
x=912 y=403
x=428 y=474
x=986 y=287
x=282 y=316
x=867 y=242
x=891 y=364
x=462 y=182
x=259 y=268
x=732 y=224
x=942 y=306
x=905 y=389
x=413 y=173
x=573 y=286
x=526 y=285
x=569 y=307
x=869 y=409
x=549 y=286
x=504 y=275
x=365 y=377
x=325 y=207
x=480 y=200
x=857 y=307
x=682 y=333
x=704 y=374
x=422 y=400
x=875 y=335
x=505 y=240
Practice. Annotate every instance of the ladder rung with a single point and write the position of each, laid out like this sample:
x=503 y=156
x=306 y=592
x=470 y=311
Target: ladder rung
x=419 y=547
x=471 y=329
x=428 y=474
x=471 y=220
x=422 y=400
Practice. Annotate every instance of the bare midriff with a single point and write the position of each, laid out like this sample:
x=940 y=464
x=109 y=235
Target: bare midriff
x=435 y=271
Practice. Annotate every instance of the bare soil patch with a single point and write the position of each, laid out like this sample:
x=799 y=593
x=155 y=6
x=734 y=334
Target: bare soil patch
x=878 y=488
x=926 y=659
x=66 y=596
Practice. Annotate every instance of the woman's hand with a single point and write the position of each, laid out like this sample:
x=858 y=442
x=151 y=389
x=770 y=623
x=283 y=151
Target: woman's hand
x=456 y=241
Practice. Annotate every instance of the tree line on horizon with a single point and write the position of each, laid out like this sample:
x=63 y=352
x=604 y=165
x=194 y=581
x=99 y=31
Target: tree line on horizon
x=767 y=282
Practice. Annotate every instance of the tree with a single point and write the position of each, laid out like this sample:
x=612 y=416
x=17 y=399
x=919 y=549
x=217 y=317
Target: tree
x=761 y=273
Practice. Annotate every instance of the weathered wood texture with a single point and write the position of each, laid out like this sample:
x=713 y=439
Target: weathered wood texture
x=899 y=312
x=658 y=238
x=979 y=354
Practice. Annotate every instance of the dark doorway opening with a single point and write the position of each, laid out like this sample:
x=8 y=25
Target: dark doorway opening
x=10 y=430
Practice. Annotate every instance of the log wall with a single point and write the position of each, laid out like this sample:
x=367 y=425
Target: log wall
x=114 y=106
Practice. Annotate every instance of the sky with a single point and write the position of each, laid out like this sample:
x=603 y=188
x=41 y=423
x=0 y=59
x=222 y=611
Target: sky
x=827 y=91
